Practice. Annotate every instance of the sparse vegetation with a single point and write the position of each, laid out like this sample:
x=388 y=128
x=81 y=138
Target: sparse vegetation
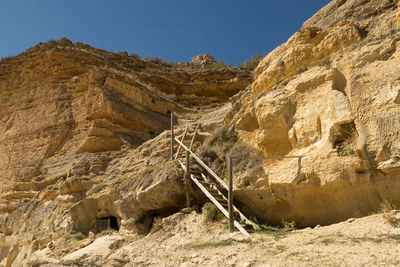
x=281 y=248
x=135 y=55
x=208 y=245
x=288 y=226
x=344 y=139
x=7 y=58
x=326 y=61
x=213 y=214
x=219 y=65
x=345 y=151
x=158 y=61
x=300 y=69
x=393 y=31
x=74 y=235
x=252 y=63
x=390 y=214
x=327 y=241
x=225 y=142
x=53 y=41
x=272 y=231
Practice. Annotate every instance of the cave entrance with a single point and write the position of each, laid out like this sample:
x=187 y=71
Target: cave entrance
x=107 y=223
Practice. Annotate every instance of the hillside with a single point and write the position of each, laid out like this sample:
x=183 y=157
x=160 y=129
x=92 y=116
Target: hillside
x=85 y=137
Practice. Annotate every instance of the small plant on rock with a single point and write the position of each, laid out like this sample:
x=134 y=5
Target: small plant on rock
x=345 y=151
x=326 y=61
x=75 y=235
x=213 y=214
x=208 y=245
x=288 y=226
x=300 y=69
x=390 y=214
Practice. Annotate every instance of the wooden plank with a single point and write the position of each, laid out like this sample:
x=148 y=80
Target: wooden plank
x=222 y=183
x=272 y=157
x=181 y=143
x=216 y=203
x=230 y=194
x=172 y=136
x=187 y=182
x=194 y=136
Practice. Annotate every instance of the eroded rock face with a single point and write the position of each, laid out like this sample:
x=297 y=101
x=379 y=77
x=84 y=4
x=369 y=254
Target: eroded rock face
x=203 y=60
x=329 y=94
x=70 y=117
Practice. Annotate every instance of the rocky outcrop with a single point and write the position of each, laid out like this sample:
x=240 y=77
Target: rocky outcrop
x=203 y=60
x=70 y=116
x=83 y=144
x=329 y=94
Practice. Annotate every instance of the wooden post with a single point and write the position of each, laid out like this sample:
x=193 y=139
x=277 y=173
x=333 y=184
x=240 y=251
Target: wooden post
x=187 y=182
x=172 y=136
x=230 y=194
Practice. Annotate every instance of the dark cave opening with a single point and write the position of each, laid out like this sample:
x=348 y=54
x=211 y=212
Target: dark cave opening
x=106 y=223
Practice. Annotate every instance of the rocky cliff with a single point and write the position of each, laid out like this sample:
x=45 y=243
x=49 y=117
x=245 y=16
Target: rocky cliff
x=331 y=95
x=82 y=133
x=72 y=114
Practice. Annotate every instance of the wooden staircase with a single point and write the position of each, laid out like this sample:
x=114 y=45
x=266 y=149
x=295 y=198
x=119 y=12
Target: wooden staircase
x=208 y=182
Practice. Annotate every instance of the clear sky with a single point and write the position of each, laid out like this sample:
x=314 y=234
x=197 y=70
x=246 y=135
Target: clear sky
x=175 y=30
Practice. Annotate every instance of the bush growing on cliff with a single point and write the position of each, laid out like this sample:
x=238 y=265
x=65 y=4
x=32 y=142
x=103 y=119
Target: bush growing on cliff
x=7 y=58
x=213 y=214
x=252 y=63
x=75 y=235
x=219 y=65
x=158 y=61
x=53 y=41
x=225 y=142
x=135 y=55
x=390 y=213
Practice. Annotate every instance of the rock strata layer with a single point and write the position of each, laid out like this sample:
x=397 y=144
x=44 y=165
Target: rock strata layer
x=329 y=94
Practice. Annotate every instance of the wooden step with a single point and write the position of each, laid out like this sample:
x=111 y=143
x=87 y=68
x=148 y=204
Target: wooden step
x=218 y=197
x=204 y=133
x=203 y=182
x=212 y=190
x=223 y=204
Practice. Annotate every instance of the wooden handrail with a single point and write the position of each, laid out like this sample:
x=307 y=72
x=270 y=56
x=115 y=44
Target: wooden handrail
x=215 y=202
x=183 y=137
x=194 y=136
x=271 y=157
x=219 y=180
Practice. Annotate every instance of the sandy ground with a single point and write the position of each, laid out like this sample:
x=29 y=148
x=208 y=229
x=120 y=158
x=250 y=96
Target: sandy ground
x=185 y=240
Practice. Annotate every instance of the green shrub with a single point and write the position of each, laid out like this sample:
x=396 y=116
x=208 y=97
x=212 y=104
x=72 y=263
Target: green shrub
x=7 y=58
x=158 y=61
x=326 y=61
x=213 y=214
x=288 y=226
x=75 y=235
x=53 y=41
x=346 y=151
x=252 y=63
x=300 y=69
x=208 y=245
x=219 y=64
x=135 y=55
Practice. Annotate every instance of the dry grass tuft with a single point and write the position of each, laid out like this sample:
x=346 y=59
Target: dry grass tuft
x=390 y=214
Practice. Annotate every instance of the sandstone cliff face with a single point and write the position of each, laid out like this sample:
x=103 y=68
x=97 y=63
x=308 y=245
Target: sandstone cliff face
x=70 y=113
x=331 y=95
x=82 y=132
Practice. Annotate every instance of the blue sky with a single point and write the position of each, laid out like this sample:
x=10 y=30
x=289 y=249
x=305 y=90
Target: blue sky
x=175 y=30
